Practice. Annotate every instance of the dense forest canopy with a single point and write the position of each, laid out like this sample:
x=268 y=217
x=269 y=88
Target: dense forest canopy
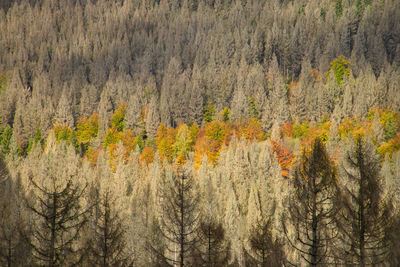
x=199 y=133
x=66 y=59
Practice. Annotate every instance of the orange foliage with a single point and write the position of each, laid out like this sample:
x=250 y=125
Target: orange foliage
x=389 y=147
x=147 y=155
x=92 y=154
x=209 y=142
x=180 y=160
x=354 y=127
x=164 y=141
x=287 y=130
x=284 y=156
x=251 y=130
x=129 y=141
x=315 y=74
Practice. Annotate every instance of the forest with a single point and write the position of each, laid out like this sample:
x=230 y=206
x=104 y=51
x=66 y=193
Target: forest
x=199 y=133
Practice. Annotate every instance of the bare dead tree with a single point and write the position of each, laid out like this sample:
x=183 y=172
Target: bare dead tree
x=107 y=245
x=213 y=248
x=366 y=215
x=265 y=250
x=312 y=208
x=180 y=218
x=58 y=221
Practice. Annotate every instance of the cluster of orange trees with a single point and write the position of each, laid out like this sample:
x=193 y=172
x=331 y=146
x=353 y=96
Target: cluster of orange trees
x=174 y=145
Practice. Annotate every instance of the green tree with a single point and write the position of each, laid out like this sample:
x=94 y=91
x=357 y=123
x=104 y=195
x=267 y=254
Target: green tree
x=252 y=107
x=339 y=8
x=340 y=70
x=37 y=139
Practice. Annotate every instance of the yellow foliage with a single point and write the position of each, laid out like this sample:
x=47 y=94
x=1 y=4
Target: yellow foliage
x=252 y=130
x=389 y=147
x=180 y=160
x=87 y=129
x=147 y=155
x=129 y=140
x=117 y=120
x=164 y=141
x=113 y=136
x=346 y=127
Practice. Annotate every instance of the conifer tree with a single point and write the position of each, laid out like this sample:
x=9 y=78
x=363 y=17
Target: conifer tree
x=57 y=215
x=213 y=248
x=179 y=219
x=264 y=249
x=312 y=207
x=13 y=250
x=107 y=245
x=366 y=215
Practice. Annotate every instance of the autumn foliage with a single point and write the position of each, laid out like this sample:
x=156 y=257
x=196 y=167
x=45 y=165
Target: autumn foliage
x=174 y=145
x=284 y=156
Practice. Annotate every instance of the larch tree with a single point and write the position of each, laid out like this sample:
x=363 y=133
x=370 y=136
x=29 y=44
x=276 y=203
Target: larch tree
x=310 y=222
